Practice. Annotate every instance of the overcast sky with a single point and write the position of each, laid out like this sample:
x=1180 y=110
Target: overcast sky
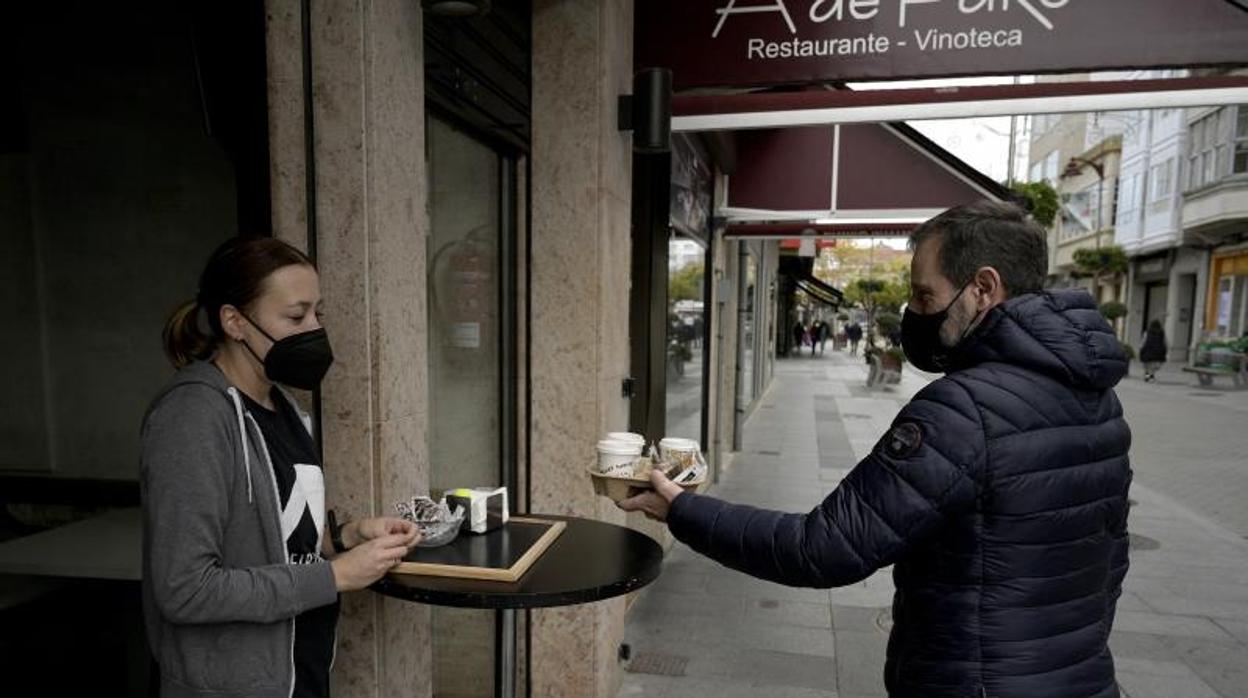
x=983 y=143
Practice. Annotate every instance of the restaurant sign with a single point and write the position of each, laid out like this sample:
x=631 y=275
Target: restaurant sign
x=766 y=42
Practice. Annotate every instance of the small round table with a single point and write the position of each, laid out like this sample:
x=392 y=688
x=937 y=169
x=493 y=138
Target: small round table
x=590 y=561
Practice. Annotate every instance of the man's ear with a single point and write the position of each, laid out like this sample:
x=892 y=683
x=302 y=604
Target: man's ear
x=990 y=290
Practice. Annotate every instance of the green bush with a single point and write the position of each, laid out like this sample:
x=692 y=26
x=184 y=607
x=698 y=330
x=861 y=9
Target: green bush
x=1129 y=351
x=1042 y=200
x=1112 y=310
x=888 y=322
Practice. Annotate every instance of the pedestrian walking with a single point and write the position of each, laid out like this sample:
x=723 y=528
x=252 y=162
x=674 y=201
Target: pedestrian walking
x=854 y=332
x=1153 y=352
x=999 y=493
x=799 y=332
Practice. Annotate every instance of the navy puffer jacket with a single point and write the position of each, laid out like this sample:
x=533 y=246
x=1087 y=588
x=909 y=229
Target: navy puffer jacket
x=1000 y=494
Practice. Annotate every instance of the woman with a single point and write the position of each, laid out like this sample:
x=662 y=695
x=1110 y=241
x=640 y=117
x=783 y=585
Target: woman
x=1153 y=353
x=241 y=573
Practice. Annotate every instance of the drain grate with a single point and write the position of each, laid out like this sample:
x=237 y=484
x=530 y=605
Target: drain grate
x=658 y=664
x=1138 y=542
x=852 y=415
x=1206 y=394
x=768 y=603
x=768 y=453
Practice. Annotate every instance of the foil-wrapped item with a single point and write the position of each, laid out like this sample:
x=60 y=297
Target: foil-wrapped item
x=424 y=510
x=437 y=524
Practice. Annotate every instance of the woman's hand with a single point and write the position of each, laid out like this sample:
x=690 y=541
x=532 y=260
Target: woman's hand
x=378 y=527
x=369 y=561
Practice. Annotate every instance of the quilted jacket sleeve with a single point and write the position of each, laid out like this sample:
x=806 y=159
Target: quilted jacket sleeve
x=924 y=470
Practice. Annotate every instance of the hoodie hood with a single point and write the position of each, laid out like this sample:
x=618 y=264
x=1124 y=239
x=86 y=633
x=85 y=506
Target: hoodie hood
x=1061 y=334
x=206 y=373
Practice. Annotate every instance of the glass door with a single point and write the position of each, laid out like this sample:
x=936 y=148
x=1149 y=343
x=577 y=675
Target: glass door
x=471 y=354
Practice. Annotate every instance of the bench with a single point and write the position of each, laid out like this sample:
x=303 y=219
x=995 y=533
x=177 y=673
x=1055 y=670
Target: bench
x=1227 y=364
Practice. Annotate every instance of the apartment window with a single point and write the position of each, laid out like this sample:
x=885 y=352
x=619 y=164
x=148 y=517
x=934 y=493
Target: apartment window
x=1241 y=140
x=1163 y=178
x=1129 y=196
x=1081 y=212
x=1219 y=146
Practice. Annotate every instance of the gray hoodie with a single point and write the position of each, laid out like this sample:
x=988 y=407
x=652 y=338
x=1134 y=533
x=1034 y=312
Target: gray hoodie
x=219 y=596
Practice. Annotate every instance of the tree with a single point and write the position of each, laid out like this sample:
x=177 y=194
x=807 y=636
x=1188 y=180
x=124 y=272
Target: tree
x=685 y=284
x=1110 y=260
x=1040 y=198
x=1113 y=310
x=877 y=296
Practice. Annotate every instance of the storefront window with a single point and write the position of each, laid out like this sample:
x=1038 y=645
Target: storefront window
x=1232 y=304
x=747 y=333
x=686 y=330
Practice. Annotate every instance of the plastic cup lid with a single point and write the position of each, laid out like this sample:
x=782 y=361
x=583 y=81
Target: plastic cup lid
x=619 y=448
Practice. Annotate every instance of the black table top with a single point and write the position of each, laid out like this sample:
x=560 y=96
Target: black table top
x=589 y=561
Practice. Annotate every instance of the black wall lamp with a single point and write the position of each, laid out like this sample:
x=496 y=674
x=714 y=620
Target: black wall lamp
x=456 y=8
x=648 y=111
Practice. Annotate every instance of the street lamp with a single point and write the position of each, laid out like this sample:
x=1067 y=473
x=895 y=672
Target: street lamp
x=1073 y=169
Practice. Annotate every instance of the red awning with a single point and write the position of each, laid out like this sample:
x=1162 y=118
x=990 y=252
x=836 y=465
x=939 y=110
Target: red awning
x=873 y=173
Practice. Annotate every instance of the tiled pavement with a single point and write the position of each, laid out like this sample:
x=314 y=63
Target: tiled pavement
x=1182 y=627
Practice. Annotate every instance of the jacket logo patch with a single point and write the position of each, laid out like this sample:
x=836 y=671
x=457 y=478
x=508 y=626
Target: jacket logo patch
x=903 y=440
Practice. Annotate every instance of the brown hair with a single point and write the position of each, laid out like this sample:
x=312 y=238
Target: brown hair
x=989 y=234
x=234 y=275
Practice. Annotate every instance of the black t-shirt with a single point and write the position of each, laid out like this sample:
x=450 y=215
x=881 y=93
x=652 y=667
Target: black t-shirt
x=301 y=488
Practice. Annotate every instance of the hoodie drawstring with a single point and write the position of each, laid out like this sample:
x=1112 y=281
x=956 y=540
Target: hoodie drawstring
x=242 y=430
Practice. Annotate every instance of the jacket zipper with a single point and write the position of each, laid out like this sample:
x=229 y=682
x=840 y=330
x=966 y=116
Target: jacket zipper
x=277 y=502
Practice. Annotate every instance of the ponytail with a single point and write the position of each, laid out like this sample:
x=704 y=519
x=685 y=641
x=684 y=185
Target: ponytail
x=184 y=341
x=234 y=275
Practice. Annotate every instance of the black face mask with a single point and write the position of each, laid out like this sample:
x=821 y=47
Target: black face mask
x=300 y=360
x=920 y=338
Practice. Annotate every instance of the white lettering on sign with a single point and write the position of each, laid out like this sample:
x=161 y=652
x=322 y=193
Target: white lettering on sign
x=909 y=13
x=804 y=48
x=732 y=9
x=932 y=40
x=823 y=10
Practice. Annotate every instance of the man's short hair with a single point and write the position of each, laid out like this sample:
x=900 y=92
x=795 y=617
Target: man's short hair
x=989 y=234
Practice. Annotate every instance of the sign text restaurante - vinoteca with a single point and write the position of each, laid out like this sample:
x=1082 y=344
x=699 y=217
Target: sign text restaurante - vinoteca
x=911 y=34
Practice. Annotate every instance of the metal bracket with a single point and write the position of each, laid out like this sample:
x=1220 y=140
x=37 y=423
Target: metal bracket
x=624 y=117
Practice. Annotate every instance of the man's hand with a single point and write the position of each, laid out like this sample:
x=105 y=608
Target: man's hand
x=653 y=503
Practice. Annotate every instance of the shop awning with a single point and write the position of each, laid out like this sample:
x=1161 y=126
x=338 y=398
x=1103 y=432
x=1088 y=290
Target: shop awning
x=848 y=179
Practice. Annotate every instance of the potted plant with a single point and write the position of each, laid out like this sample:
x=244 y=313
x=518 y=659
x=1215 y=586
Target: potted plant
x=892 y=358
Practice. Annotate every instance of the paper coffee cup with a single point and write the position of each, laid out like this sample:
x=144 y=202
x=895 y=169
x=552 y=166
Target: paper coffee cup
x=617 y=457
x=682 y=451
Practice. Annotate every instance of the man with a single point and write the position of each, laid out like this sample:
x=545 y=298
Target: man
x=999 y=493
x=854 y=332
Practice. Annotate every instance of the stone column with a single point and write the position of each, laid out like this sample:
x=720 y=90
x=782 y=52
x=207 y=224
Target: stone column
x=582 y=60
x=368 y=109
